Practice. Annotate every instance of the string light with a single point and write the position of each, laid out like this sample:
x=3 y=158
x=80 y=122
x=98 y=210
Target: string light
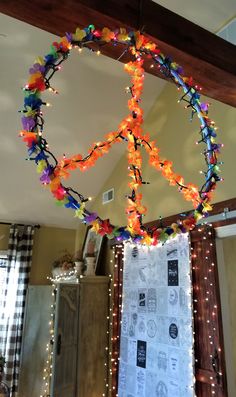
x=207 y=300
x=47 y=371
x=130 y=130
x=71 y=275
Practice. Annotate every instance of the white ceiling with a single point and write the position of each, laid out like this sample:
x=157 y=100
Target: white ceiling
x=209 y=14
x=91 y=103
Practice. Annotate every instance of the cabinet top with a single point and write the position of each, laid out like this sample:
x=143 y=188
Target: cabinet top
x=87 y=280
x=94 y=279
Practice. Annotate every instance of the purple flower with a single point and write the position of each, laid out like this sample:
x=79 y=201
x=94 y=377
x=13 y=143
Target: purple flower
x=28 y=123
x=204 y=107
x=91 y=217
x=37 y=68
x=45 y=177
x=69 y=37
x=180 y=70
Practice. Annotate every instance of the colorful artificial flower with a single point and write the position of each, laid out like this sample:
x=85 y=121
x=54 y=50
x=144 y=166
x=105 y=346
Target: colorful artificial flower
x=105 y=227
x=29 y=137
x=79 y=212
x=123 y=35
x=45 y=177
x=107 y=35
x=95 y=226
x=59 y=193
x=79 y=34
x=129 y=130
x=28 y=123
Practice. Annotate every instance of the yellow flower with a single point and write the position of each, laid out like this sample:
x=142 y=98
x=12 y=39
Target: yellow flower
x=79 y=34
x=39 y=60
x=147 y=240
x=123 y=35
x=130 y=229
x=150 y=46
x=30 y=112
x=206 y=207
x=175 y=227
x=95 y=226
x=79 y=213
x=197 y=216
x=41 y=166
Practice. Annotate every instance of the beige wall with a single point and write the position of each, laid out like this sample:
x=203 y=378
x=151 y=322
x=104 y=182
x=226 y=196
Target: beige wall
x=4 y=236
x=49 y=242
x=168 y=123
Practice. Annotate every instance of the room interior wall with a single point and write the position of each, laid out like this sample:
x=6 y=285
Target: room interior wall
x=4 y=237
x=168 y=123
x=49 y=244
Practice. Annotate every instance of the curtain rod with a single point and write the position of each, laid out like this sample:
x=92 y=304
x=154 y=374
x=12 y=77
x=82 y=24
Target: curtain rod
x=19 y=224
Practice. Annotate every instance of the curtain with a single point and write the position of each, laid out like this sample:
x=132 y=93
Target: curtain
x=12 y=310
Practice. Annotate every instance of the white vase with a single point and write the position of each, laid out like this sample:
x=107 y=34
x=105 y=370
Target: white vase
x=79 y=267
x=90 y=266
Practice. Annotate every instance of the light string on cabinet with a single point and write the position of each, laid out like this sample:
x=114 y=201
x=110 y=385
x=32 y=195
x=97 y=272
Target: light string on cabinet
x=47 y=371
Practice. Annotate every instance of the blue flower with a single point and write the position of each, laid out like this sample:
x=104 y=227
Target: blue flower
x=33 y=101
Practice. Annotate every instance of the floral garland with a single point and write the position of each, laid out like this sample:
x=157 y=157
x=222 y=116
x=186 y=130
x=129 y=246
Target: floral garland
x=130 y=130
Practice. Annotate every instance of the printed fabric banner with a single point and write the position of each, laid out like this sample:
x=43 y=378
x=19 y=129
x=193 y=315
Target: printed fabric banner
x=156 y=342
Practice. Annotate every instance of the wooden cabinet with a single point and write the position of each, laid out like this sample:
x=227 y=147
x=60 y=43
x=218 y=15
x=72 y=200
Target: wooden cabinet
x=35 y=338
x=81 y=338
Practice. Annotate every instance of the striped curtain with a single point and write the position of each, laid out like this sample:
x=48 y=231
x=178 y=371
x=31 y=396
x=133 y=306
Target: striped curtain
x=12 y=310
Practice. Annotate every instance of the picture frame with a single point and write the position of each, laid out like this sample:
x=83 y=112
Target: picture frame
x=97 y=241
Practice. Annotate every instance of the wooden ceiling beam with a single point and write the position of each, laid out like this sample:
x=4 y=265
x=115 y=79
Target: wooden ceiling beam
x=208 y=58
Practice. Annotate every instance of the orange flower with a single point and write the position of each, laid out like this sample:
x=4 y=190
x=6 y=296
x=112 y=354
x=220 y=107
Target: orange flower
x=107 y=35
x=139 y=40
x=29 y=137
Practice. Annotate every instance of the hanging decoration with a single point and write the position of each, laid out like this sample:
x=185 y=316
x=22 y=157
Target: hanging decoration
x=53 y=171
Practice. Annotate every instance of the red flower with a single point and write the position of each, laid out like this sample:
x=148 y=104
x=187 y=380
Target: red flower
x=105 y=227
x=60 y=193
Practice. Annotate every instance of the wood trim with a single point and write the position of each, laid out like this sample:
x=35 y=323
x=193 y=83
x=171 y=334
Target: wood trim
x=218 y=208
x=205 y=56
x=208 y=327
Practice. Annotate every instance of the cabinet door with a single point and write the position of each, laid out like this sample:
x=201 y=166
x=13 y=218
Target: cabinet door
x=35 y=338
x=65 y=348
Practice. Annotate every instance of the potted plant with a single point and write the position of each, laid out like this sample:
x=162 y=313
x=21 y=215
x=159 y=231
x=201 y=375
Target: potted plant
x=63 y=264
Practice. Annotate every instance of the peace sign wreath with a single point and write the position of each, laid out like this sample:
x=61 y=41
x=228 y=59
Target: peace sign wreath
x=52 y=171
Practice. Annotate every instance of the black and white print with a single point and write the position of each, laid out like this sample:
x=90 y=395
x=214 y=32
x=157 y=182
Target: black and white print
x=156 y=330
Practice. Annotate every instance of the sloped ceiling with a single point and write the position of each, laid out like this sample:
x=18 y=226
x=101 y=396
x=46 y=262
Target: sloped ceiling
x=211 y=15
x=91 y=103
